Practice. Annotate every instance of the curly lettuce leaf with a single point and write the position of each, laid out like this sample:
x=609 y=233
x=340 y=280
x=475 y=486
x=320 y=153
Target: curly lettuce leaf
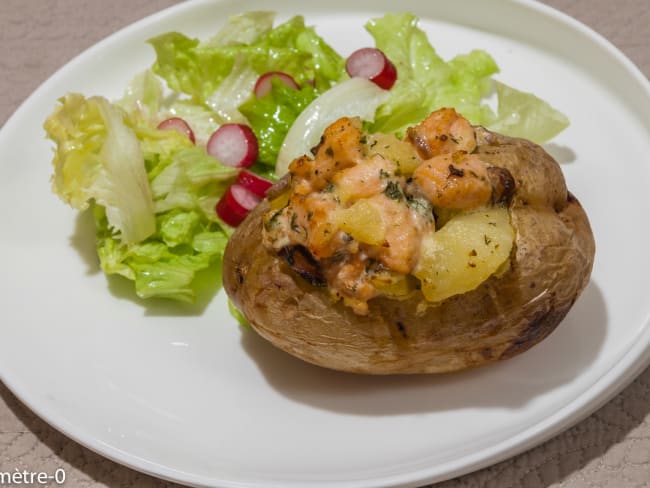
x=152 y=191
x=98 y=158
x=244 y=28
x=426 y=82
x=185 y=184
x=165 y=265
x=198 y=69
x=522 y=114
x=147 y=105
x=190 y=179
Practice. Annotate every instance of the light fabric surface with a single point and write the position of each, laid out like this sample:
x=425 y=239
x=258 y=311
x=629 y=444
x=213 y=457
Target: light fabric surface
x=611 y=448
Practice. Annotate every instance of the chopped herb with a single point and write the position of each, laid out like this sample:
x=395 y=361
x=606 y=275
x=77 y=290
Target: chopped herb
x=454 y=139
x=273 y=221
x=420 y=205
x=294 y=224
x=393 y=191
x=329 y=151
x=329 y=188
x=363 y=140
x=486 y=239
x=310 y=214
x=383 y=173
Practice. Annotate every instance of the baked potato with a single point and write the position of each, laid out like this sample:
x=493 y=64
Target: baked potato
x=451 y=248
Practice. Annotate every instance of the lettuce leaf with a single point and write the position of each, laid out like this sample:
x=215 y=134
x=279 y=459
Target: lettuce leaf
x=522 y=114
x=98 y=157
x=272 y=116
x=122 y=165
x=426 y=82
x=221 y=73
x=165 y=265
x=198 y=69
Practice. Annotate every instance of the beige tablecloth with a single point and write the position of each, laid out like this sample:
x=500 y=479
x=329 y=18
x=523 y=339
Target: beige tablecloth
x=611 y=448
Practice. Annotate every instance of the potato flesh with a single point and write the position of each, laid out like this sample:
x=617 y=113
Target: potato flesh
x=393 y=149
x=363 y=221
x=464 y=253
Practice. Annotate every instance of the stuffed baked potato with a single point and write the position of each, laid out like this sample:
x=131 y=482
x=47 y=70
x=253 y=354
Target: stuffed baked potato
x=451 y=248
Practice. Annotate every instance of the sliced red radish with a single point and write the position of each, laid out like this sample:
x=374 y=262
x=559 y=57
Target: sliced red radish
x=234 y=145
x=263 y=85
x=372 y=63
x=253 y=182
x=235 y=204
x=176 y=123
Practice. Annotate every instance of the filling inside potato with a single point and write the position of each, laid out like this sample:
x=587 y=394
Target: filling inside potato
x=374 y=215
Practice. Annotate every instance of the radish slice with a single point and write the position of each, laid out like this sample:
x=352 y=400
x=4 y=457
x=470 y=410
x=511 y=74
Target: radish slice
x=263 y=85
x=253 y=182
x=372 y=64
x=176 y=123
x=236 y=204
x=234 y=145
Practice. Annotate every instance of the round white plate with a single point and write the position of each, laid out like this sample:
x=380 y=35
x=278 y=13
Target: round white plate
x=187 y=395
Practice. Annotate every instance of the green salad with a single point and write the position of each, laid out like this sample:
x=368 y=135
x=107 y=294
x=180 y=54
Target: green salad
x=153 y=191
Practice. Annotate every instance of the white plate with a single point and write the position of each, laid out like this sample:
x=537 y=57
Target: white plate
x=191 y=397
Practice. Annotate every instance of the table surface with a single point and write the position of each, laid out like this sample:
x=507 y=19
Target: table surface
x=609 y=448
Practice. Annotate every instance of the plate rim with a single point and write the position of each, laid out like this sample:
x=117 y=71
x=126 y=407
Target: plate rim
x=630 y=364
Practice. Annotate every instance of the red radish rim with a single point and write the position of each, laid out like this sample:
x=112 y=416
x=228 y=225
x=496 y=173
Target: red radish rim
x=178 y=124
x=371 y=63
x=254 y=182
x=234 y=145
x=263 y=84
x=236 y=204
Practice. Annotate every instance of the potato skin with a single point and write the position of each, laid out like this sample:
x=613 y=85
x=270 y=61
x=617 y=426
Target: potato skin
x=503 y=317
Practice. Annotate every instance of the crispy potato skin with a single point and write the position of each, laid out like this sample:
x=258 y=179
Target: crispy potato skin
x=503 y=317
